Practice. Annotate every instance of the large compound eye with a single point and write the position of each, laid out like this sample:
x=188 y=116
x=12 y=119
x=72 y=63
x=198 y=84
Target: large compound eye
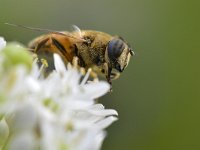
x=115 y=48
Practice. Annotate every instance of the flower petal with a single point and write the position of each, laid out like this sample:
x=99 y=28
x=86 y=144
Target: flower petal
x=4 y=132
x=94 y=90
x=105 y=112
x=59 y=65
x=106 y=122
x=2 y=43
x=23 y=140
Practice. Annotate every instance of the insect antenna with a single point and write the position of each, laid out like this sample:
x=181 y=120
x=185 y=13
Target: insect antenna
x=30 y=28
x=45 y=30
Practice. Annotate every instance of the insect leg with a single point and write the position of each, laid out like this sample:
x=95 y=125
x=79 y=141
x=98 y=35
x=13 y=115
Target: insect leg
x=107 y=70
x=75 y=62
x=94 y=76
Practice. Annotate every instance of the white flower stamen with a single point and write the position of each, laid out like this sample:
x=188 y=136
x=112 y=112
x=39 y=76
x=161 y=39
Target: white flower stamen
x=86 y=76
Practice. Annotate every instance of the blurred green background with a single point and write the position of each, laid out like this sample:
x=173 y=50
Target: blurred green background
x=158 y=95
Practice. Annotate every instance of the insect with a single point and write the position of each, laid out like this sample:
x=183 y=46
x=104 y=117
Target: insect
x=106 y=54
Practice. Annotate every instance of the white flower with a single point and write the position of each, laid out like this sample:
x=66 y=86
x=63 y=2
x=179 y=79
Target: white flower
x=56 y=112
x=2 y=43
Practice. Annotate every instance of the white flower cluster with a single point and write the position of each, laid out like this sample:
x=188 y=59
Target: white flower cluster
x=53 y=113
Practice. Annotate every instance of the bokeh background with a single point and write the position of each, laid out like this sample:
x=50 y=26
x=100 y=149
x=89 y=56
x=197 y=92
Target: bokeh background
x=158 y=95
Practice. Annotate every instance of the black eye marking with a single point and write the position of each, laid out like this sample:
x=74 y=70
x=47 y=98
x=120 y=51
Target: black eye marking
x=118 y=67
x=115 y=48
x=59 y=46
